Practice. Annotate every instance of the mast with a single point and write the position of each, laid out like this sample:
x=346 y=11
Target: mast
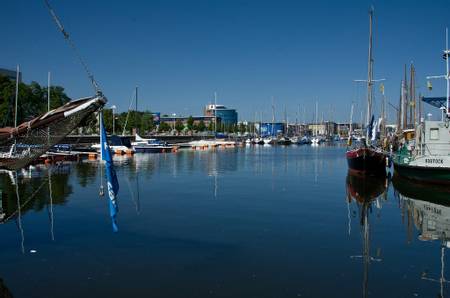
x=383 y=112
x=369 y=75
x=412 y=96
x=17 y=96
x=316 y=120
x=351 y=123
x=447 y=74
x=48 y=92
x=135 y=114
x=273 y=116
x=405 y=100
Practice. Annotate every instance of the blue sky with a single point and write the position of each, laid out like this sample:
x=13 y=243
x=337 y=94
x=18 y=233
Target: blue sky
x=180 y=52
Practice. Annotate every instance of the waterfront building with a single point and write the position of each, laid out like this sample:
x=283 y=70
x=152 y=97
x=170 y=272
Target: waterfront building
x=11 y=74
x=227 y=116
x=326 y=128
x=343 y=128
x=171 y=120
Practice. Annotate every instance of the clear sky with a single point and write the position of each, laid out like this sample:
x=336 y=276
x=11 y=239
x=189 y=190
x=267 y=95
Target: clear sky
x=180 y=52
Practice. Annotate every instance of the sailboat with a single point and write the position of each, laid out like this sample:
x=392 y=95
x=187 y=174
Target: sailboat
x=429 y=159
x=21 y=145
x=365 y=157
x=270 y=139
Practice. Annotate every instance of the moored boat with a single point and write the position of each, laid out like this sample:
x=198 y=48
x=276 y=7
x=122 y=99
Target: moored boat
x=365 y=157
x=428 y=157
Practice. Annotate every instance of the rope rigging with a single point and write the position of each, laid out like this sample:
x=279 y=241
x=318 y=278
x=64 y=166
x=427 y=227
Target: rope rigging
x=74 y=48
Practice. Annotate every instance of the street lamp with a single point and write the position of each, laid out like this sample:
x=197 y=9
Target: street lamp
x=113 y=108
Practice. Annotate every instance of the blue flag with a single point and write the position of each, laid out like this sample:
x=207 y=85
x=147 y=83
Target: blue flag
x=111 y=177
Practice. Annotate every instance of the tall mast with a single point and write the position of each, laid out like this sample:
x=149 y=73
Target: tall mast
x=17 y=96
x=447 y=74
x=316 y=120
x=369 y=74
x=48 y=92
x=405 y=101
x=135 y=113
x=273 y=115
x=412 y=95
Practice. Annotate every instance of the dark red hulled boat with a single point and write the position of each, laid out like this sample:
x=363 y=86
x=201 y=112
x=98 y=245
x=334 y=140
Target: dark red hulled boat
x=366 y=160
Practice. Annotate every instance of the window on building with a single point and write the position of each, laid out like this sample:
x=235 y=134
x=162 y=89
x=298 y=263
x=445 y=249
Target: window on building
x=434 y=133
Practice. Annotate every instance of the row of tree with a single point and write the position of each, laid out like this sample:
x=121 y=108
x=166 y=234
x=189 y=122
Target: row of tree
x=32 y=100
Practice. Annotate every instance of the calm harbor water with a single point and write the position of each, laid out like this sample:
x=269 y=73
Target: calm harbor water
x=247 y=222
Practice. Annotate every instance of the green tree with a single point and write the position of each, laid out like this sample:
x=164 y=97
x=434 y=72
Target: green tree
x=211 y=126
x=190 y=123
x=242 y=128
x=179 y=126
x=147 y=124
x=32 y=100
x=201 y=126
x=164 y=127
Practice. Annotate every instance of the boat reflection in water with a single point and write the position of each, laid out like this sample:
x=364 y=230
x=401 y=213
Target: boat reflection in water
x=429 y=207
x=366 y=192
x=35 y=188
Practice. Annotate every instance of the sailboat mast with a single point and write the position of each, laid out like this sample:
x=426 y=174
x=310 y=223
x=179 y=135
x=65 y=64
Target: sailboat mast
x=17 y=96
x=48 y=92
x=369 y=74
x=273 y=115
x=316 y=120
x=135 y=113
x=447 y=74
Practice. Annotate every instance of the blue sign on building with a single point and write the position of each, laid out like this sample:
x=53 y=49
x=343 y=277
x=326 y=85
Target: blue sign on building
x=272 y=129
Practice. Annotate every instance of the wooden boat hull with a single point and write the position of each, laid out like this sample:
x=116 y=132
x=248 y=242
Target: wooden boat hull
x=366 y=161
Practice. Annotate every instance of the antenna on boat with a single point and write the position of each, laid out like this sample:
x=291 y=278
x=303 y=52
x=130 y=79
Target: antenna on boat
x=74 y=48
x=446 y=56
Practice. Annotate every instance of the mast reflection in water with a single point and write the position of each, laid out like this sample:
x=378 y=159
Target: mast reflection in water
x=365 y=191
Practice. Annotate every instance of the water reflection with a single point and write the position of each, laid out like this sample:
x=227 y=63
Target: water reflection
x=365 y=193
x=4 y=291
x=428 y=208
x=33 y=189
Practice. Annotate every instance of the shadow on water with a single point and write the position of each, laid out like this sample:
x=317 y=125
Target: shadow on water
x=365 y=192
x=427 y=208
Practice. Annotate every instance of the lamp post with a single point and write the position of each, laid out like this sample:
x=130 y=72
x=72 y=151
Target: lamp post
x=113 y=108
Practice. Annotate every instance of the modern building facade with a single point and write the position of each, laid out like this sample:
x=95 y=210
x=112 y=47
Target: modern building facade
x=227 y=116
